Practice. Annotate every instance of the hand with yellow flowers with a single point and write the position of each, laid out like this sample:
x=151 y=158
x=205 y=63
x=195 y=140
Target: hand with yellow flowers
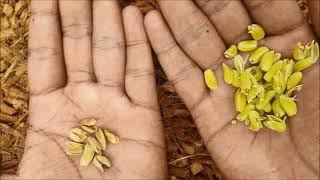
x=199 y=32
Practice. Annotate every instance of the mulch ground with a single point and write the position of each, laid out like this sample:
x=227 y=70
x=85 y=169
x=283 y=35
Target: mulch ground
x=187 y=155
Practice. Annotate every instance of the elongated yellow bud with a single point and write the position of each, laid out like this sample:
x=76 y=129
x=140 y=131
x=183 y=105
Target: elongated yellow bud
x=227 y=74
x=238 y=63
x=236 y=79
x=231 y=52
x=240 y=101
x=288 y=105
x=277 y=108
x=314 y=54
x=298 y=52
x=247 y=45
x=255 y=123
x=244 y=114
x=267 y=98
x=275 y=124
x=256 y=56
x=302 y=64
x=256 y=31
x=210 y=79
x=267 y=61
x=272 y=71
x=256 y=72
x=294 y=80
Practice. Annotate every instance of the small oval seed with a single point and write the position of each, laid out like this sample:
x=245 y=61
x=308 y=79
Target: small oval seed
x=95 y=144
x=294 y=80
x=247 y=45
x=227 y=74
x=112 y=138
x=74 y=148
x=104 y=160
x=256 y=56
x=89 y=129
x=88 y=122
x=101 y=138
x=288 y=104
x=267 y=61
x=87 y=155
x=231 y=52
x=256 y=31
x=97 y=164
x=210 y=79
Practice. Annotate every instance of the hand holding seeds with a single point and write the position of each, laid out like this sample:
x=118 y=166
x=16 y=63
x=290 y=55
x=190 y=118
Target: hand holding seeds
x=93 y=107
x=247 y=70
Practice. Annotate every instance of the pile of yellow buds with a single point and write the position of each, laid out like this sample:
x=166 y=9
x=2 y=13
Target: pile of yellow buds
x=265 y=90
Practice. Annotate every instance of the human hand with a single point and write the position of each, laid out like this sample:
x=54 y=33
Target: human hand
x=198 y=43
x=98 y=69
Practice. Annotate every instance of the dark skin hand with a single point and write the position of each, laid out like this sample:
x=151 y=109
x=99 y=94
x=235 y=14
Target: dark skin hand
x=104 y=71
x=195 y=40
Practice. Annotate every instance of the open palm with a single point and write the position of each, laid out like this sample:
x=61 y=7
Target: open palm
x=95 y=75
x=201 y=31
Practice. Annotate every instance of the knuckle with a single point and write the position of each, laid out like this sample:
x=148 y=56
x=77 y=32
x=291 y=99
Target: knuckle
x=79 y=76
x=111 y=83
x=183 y=74
x=139 y=72
x=43 y=53
x=257 y=3
x=214 y=7
x=76 y=31
x=137 y=43
x=107 y=43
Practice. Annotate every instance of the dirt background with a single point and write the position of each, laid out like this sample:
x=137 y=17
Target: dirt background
x=187 y=155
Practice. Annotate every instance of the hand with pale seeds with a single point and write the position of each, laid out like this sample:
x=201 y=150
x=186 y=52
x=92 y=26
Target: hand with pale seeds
x=198 y=34
x=87 y=60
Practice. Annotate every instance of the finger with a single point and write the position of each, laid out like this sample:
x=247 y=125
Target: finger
x=314 y=6
x=186 y=77
x=140 y=77
x=108 y=43
x=230 y=18
x=194 y=32
x=277 y=17
x=46 y=66
x=77 y=28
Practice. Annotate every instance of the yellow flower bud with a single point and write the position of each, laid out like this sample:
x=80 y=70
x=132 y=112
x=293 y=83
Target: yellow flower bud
x=298 y=52
x=255 y=123
x=240 y=101
x=275 y=124
x=314 y=53
x=256 y=31
x=256 y=72
x=227 y=74
x=272 y=71
x=238 y=63
x=236 y=79
x=302 y=64
x=210 y=79
x=277 y=108
x=256 y=56
x=267 y=61
x=231 y=52
x=288 y=105
x=248 y=45
x=294 y=80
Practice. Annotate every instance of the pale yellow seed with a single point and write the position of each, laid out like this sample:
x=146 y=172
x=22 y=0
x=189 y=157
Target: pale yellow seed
x=231 y=51
x=101 y=138
x=104 y=161
x=77 y=135
x=112 y=138
x=88 y=122
x=87 y=155
x=74 y=148
x=97 y=164
x=7 y=10
x=95 y=144
x=210 y=79
x=89 y=129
